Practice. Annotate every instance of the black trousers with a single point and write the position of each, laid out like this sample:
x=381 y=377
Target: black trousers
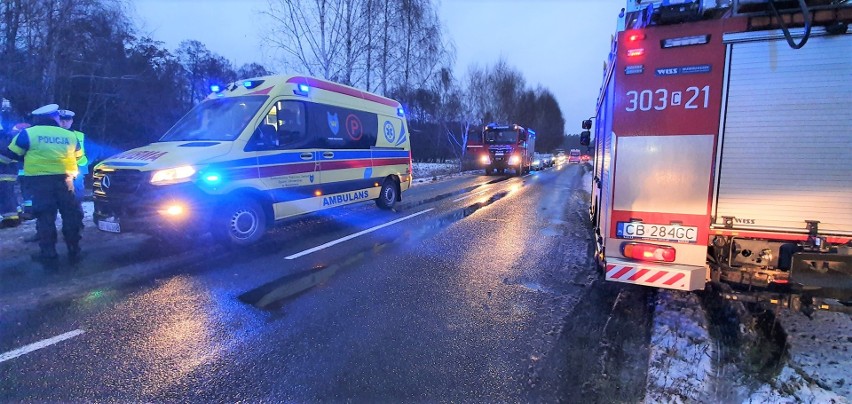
x=8 y=199
x=52 y=193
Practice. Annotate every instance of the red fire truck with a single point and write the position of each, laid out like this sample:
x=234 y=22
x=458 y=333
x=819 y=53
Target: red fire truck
x=723 y=148
x=504 y=147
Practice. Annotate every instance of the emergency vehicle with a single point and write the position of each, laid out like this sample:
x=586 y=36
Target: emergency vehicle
x=574 y=156
x=722 y=148
x=254 y=152
x=502 y=147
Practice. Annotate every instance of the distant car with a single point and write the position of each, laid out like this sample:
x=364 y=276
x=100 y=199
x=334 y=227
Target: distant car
x=584 y=158
x=537 y=164
x=560 y=157
x=547 y=160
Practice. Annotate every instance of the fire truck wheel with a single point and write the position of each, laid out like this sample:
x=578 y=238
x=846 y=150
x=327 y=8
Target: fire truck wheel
x=501 y=171
x=387 y=196
x=240 y=222
x=488 y=171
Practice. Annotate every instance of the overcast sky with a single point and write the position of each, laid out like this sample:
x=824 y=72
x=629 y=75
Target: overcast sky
x=558 y=44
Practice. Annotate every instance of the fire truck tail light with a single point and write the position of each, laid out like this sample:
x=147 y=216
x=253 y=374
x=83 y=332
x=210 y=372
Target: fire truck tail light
x=635 y=36
x=635 y=52
x=648 y=252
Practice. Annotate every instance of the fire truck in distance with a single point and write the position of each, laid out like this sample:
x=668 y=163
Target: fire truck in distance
x=574 y=156
x=722 y=149
x=504 y=147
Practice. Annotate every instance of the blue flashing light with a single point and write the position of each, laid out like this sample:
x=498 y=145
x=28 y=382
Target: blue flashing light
x=400 y=112
x=532 y=132
x=247 y=84
x=304 y=88
x=215 y=88
x=212 y=178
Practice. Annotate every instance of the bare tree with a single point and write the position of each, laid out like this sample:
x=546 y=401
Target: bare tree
x=310 y=33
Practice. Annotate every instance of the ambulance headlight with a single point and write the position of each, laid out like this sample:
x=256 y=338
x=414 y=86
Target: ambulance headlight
x=172 y=175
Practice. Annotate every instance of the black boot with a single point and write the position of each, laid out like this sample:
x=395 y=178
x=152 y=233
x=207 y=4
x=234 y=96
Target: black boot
x=74 y=252
x=46 y=254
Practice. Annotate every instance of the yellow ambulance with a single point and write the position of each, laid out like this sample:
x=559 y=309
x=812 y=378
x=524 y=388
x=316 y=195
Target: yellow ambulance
x=254 y=152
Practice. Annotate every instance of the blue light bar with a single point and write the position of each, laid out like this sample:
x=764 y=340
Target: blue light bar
x=304 y=88
x=247 y=84
x=400 y=112
x=215 y=88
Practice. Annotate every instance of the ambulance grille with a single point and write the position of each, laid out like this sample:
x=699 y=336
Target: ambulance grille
x=118 y=183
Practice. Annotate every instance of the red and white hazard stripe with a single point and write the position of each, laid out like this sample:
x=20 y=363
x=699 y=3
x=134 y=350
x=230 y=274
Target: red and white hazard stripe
x=653 y=275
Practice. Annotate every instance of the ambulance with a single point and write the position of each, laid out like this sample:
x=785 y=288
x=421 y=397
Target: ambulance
x=255 y=152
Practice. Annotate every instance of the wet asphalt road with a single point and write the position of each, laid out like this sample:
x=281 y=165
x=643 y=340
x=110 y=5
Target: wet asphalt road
x=469 y=298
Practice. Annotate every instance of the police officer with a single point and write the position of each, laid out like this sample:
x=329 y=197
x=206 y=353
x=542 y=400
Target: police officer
x=50 y=164
x=66 y=119
x=8 y=177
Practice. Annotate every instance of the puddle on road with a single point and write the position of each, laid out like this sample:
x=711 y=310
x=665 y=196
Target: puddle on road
x=273 y=294
x=452 y=194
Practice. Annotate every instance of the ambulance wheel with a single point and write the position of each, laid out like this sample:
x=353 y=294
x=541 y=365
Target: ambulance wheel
x=241 y=222
x=387 y=196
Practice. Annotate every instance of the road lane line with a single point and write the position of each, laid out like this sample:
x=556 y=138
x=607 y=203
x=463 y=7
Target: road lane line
x=468 y=196
x=39 y=345
x=351 y=236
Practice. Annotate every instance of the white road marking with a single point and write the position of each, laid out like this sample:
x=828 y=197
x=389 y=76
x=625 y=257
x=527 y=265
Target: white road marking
x=351 y=236
x=468 y=196
x=39 y=345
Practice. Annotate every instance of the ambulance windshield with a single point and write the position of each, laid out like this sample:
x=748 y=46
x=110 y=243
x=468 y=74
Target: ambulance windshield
x=506 y=136
x=218 y=119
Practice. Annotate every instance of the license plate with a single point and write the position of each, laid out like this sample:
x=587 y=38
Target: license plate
x=662 y=232
x=112 y=227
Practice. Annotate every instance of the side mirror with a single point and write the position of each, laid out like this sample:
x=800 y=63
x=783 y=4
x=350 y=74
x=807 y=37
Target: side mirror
x=587 y=124
x=585 y=138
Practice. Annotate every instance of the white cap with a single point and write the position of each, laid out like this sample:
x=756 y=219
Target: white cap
x=48 y=109
x=66 y=113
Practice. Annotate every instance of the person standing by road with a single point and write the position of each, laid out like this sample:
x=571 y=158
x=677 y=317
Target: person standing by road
x=66 y=119
x=50 y=164
x=8 y=177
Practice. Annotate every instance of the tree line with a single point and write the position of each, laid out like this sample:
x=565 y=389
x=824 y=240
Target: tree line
x=128 y=89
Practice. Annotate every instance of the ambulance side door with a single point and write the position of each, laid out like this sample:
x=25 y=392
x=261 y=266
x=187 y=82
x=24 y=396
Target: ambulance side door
x=288 y=167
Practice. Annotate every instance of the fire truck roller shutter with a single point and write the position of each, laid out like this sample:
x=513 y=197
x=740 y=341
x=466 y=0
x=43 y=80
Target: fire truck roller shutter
x=785 y=155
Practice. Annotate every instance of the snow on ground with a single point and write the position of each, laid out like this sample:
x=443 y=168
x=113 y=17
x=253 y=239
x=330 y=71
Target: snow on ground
x=681 y=365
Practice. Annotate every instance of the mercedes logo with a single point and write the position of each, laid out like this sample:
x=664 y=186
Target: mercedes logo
x=105 y=183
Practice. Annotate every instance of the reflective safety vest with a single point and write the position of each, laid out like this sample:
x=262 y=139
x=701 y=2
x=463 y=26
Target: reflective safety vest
x=49 y=150
x=81 y=138
x=83 y=160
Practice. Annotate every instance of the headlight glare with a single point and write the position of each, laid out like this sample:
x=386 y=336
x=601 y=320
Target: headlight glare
x=172 y=175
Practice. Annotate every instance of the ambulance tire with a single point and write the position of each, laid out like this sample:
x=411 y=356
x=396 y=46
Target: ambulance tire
x=239 y=223
x=388 y=194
